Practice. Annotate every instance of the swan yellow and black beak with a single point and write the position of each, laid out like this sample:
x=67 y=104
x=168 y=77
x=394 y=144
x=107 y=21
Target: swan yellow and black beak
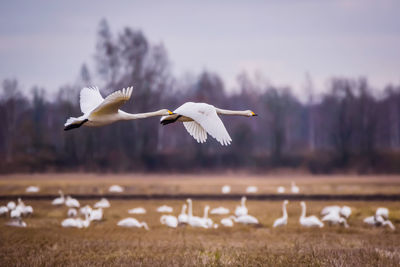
x=170 y=112
x=253 y=114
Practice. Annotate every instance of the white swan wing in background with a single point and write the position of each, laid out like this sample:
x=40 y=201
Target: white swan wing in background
x=113 y=102
x=207 y=119
x=90 y=98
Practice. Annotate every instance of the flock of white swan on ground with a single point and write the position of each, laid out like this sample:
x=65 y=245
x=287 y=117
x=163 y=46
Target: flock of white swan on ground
x=331 y=215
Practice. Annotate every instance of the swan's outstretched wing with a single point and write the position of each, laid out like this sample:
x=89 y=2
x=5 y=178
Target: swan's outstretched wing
x=90 y=98
x=195 y=130
x=205 y=116
x=113 y=102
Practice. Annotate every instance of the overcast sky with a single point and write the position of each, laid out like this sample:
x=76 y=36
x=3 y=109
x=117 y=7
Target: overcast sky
x=45 y=42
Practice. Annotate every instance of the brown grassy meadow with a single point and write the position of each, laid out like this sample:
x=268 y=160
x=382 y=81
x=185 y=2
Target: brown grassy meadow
x=45 y=243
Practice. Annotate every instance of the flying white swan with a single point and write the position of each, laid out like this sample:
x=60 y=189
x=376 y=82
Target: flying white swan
x=169 y=220
x=183 y=217
x=220 y=211
x=241 y=210
x=282 y=220
x=98 y=111
x=138 y=210
x=195 y=221
x=132 y=222
x=201 y=118
x=309 y=221
x=59 y=200
x=103 y=203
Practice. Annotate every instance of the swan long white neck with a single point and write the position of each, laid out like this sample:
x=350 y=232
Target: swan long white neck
x=190 y=209
x=232 y=112
x=130 y=116
x=284 y=210
x=303 y=210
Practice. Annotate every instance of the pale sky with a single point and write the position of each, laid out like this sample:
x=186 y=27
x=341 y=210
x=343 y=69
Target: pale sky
x=45 y=42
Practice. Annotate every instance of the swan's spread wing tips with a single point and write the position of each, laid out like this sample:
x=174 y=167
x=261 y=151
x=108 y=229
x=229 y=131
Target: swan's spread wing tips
x=90 y=98
x=195 y=130
x=206 y=116
x=113 y=102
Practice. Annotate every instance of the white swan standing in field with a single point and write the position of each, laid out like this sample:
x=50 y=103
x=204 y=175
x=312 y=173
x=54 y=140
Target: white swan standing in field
x=226 y=189
x=245 y=219
x=3 y=210
x=138 y=210
x=227 y=222
x=165 y=209
x=384 y=212
x=201 y=118
x=16 y=223
x=309 y=221
x=282 y=220
x=98 y=111
x=85 y=210
x=169 y=220
x=72 y=212
x=11 y=205
x=220 y=211
x=251 y=189
x=32 y=189
x=132 y=222
x=241 y=210
x=208 y=221
x=334 y=218
x=378 y=220
x=183 y=217
x=23 y=209
x=345 y=211
x=72 y=202
x=294 y=188
x=115 y=189
x=280 y=190
x=195 y=221
x=59 y=200
x=328 y=209
x=96 y=215
x=103 y=203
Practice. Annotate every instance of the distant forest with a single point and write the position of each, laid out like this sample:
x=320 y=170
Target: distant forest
x=349 y=128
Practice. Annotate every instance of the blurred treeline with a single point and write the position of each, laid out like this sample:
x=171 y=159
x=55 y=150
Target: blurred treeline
x=349 y=128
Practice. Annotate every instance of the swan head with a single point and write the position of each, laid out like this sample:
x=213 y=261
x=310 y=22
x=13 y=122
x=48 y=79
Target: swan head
x=286 y=202
x=250 y=113
x=189 y=200
x=165 y=112
x=303 y=204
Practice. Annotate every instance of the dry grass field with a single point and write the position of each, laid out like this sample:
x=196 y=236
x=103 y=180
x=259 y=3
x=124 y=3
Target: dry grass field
x=198 y=184
x=45 y=243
